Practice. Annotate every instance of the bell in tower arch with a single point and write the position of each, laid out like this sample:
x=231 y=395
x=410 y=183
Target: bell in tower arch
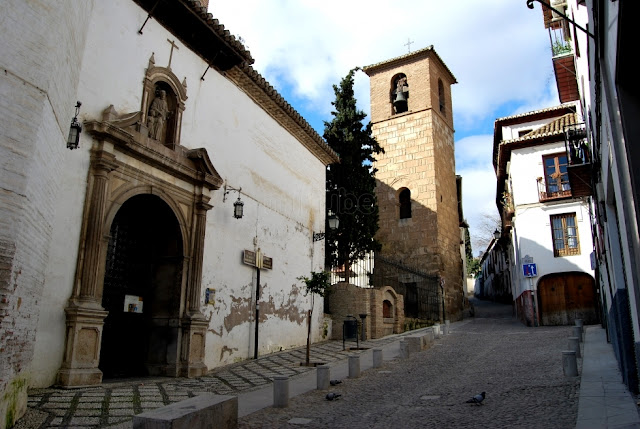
x=400 y=95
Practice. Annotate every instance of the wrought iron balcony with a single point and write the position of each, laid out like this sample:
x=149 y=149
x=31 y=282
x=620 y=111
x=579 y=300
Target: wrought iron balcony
x=553 y=191
x=579 y=158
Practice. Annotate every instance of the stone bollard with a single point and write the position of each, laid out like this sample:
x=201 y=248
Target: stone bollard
x=569 y=364
x=447 y=326
x=323 y=375
x=436 y=331
x=280 y=391
x=377 y=358
x=574 y=345
x=577 y=332
x=404 y=349
x=580 y=323
x=354 y=366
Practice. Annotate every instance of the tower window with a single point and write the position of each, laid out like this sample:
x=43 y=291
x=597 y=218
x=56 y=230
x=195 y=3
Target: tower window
x=399 y=94
x=405 y=203
x=443 y=106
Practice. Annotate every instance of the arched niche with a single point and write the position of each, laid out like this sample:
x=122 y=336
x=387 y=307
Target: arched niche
x=162 y=119
x=399 y=94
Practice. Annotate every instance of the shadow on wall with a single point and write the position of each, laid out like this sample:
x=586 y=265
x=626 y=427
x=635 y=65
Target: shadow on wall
x=426 y=239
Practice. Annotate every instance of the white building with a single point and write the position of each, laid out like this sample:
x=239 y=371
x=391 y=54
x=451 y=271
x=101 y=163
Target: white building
x=544 y=220
x=602 y=43
x=123 y=257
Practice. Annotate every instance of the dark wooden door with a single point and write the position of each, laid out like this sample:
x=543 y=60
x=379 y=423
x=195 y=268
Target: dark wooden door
x=565 y=297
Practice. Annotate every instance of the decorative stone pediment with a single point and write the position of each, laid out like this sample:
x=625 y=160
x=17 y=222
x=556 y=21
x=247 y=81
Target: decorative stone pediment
x=127 y=134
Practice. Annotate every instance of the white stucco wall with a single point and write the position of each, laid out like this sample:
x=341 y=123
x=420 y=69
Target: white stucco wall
x=532 y=223
x=41 y=44
x=283 y=190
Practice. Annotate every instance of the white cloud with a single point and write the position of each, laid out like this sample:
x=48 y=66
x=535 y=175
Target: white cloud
x=498 y=50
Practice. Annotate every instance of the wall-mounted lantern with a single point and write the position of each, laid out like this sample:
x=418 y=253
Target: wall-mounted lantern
x=74 y=132
x=497 y=234
x=333 y=221
x=238 y=205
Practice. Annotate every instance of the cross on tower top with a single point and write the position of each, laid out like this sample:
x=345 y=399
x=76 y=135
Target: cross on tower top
x=408 y=44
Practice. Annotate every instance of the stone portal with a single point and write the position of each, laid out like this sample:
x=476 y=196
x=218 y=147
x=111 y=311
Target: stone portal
x=142 y=286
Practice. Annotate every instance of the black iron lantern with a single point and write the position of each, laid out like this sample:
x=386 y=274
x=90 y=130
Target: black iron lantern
x=74 y=132
x=238 y=208
x=334 y=222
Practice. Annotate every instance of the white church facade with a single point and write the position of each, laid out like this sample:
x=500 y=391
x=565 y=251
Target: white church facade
x=124 y=257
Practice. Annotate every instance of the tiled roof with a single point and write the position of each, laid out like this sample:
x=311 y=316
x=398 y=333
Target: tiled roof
x=219 y=29
x=555 y=127
x=428 y=49
x=537 y=112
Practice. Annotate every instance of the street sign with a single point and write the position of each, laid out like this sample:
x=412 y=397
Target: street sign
x=257 y=259
x=529 y=270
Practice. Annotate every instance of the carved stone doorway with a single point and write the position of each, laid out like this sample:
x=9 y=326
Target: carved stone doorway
x=142 y=291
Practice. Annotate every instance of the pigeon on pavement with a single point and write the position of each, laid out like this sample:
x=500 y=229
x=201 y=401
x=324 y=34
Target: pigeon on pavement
x=335 y=382
x=331 y=396
x=477 y=399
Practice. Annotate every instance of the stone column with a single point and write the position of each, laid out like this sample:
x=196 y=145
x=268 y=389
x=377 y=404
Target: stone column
x=84 y=313
x=195 y=324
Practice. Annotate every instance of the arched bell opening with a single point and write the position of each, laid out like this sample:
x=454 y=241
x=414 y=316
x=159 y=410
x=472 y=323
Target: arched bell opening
x=142 y=290
x=399 y=94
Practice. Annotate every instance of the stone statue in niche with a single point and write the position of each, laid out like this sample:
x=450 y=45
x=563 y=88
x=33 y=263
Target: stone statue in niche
x=158 y=114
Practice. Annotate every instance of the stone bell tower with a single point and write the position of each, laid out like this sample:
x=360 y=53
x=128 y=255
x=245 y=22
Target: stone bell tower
x=411 y=115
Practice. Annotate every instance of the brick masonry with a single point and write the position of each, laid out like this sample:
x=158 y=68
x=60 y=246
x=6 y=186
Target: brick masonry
x=419 y=155
x=38 y=94
x=347 y=299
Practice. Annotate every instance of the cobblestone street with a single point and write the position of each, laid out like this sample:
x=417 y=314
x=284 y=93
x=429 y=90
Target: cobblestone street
x=520 y=368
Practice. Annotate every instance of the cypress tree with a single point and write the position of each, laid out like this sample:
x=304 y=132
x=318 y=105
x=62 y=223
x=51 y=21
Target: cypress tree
x=351 y=183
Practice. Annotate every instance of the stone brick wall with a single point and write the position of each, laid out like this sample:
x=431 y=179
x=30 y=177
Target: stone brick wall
x=347 y=299
x=419 y=155
x=38 y=89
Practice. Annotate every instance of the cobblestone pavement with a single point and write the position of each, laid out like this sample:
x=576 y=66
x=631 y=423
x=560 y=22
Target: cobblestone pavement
x=520 y=369
x=114 y=403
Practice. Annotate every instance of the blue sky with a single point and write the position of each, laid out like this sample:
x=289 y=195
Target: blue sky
x=498 y=50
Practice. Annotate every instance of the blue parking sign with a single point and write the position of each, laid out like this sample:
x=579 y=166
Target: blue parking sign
x=529 y=270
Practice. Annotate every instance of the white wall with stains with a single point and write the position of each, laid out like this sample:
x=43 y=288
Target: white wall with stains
x=283 y=190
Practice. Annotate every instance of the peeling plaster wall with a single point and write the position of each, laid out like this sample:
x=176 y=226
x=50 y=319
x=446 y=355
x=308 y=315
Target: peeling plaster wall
x=282 y=183
x=40 y=42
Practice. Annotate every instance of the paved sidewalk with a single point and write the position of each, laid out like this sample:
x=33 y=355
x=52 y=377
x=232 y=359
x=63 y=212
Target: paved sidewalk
x=603 y=400
x=115 y=402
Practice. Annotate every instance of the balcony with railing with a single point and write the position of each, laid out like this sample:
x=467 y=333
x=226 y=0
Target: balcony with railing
x=555 y=188
x=562 y=52
x=579 y=160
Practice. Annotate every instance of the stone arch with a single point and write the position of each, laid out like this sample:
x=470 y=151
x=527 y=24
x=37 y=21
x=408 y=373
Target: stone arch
x=386 y=302
x=404 y=203
x=399 y=94
x=143 y=290
x=113 y=180
x=121 y=197
x=159 y=79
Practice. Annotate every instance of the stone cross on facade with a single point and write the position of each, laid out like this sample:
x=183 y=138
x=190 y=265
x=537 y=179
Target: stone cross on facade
x=408 y=44
x=173 y=45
